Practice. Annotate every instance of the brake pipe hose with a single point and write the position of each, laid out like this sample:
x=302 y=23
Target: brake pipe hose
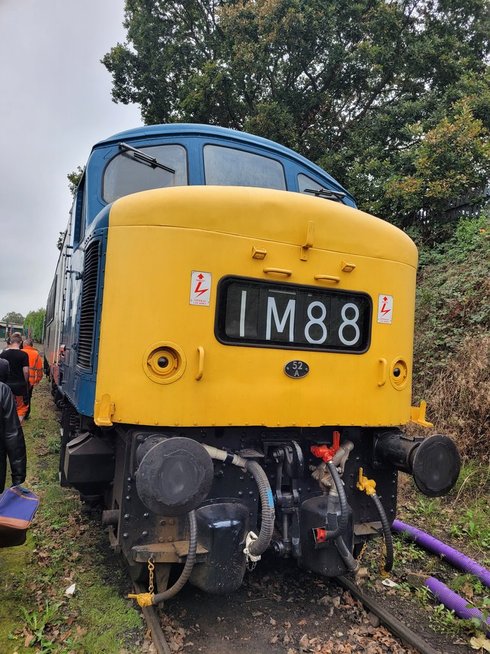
x=256 y=545
x=149 y=599
x=368 y=486
x=453 y=556
x=332 y=457
x=344 y=507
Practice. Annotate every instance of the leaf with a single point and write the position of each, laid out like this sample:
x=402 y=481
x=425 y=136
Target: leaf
x=390 y=583
x=70 y=591
x=480 y=642
x=28 y=640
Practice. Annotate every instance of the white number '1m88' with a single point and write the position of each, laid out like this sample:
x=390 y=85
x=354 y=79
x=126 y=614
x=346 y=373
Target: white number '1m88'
x=315 y=329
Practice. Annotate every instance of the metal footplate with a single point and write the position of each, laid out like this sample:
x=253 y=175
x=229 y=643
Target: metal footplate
x=166 y=552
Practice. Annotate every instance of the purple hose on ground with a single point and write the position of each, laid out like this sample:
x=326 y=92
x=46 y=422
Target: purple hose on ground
x=453 y=601
x=454 y=557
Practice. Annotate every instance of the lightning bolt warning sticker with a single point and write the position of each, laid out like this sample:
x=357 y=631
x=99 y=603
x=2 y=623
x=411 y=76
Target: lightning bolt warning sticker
x=385 y=309
x=200 y=288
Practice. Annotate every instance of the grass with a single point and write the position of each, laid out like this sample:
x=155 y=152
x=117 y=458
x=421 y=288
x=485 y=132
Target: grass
x=460 y=519
x=64 y=546
x=463 y=515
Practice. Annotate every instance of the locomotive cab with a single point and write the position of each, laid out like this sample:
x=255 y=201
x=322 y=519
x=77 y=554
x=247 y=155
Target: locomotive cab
x=259 y=406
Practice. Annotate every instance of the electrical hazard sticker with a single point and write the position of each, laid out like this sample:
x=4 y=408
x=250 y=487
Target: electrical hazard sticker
x=385 y=309
x=200 y=288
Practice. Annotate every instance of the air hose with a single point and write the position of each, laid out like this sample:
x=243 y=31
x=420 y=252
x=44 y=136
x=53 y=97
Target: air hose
x=255 y=545
x=388 y=538
x=343 y=519
x=337 y=501
x=346 y=555
x=369 y=487
x=258 y=546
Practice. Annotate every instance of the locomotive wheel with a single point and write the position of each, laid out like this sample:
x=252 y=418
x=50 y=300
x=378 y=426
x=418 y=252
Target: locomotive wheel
x=69 y=421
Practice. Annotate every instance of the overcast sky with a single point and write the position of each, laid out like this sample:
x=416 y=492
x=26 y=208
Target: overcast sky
x=55 y=103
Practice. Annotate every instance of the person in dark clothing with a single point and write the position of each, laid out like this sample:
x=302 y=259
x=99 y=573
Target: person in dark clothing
x=18 y=379
x=12 y=444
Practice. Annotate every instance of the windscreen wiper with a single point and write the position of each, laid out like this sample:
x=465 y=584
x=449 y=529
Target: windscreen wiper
x=326 y=193
x=139 y=155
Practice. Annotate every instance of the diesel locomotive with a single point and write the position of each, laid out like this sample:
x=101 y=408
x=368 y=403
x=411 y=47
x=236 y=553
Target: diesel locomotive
x=230 y=341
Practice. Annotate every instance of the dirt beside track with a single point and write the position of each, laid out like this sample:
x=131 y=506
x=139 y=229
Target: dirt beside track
x=281 y=609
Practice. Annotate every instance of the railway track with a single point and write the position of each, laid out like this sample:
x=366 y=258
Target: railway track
x=268 y=617
x=396 y=627
x=152 y=619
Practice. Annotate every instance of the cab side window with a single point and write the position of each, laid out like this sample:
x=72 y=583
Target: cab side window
x=128 y=173
x=305 y=182
x=231 y=167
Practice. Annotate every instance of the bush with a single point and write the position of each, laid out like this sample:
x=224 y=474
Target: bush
x=453 y=295
x=452 y=346
x=459 y=398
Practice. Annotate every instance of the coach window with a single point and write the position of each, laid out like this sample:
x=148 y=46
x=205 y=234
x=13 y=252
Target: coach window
x=79 y=231
x=129 y=173
x=51 y=303
x=230 y=167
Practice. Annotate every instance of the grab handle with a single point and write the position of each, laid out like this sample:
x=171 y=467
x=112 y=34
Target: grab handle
x=327 y=278
x=200 y=362
x=278 y=271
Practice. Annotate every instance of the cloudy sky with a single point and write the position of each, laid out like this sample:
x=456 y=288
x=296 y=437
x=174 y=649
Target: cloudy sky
x=55 y=103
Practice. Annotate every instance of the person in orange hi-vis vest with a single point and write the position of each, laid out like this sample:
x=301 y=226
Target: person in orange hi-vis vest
x=35 y=369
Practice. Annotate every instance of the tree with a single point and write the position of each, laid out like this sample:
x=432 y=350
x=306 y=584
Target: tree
x=452 y=160
x=357 y=87
x=74 y=179
x=13 y=318
x=34 y=324
x=61 y=240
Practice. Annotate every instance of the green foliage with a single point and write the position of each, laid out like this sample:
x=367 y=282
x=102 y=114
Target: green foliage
x=453 y=294
x=406 y=551
x=61 y=238
x=472 y=525
x=445 y=621
x=480 y=625
x=473 y=481
x=34 y=323
x=13 y=318
x=452 y=160
x=391 y=98
x=38 y=623
x=74 y=180
x=467 y=584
